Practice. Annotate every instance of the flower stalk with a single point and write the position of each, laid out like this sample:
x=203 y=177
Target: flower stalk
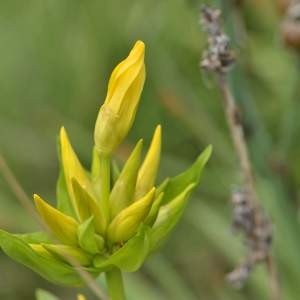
x=115 y=284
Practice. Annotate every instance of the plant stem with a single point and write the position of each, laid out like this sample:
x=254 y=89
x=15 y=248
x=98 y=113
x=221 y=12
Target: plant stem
x=115 y=284
x=105 y=184
x=240 y=145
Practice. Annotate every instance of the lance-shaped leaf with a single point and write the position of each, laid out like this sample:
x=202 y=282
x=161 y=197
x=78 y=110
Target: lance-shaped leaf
x=88 y=239
x=67 y=253
x=62 y=226
x=154 y=210
x=72 y=169
x=192 y=175
x=168 y=216
x=123 y=190
x=34 y=237
x=126 y=223
x=89 y=206
x=130 y=256
x=48 y=267
x=148 y=171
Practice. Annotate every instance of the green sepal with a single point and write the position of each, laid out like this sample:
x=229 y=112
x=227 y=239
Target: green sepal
x=115 y=172
x=87 y=237
x=130 y=256
x=192 y=175
x=89 y=207
x=66 y=252
x=48 y=267
x=161 y=188
x=122 y=193
x=34 y=237
x=168 y=216
x=154 y=210
x=95 y=172
x=44 y=295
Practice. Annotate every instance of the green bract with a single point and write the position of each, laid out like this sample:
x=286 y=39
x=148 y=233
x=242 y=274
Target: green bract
x=106 y=218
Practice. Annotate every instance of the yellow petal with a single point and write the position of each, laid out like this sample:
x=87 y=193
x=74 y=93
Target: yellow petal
x=62 y=226
x=126 y=223
x=148 y=171
x=72 y=169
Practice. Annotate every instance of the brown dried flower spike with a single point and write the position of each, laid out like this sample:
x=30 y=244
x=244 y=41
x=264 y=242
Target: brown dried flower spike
x=218 y=57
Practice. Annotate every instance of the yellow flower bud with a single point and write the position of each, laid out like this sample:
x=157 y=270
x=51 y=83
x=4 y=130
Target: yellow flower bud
x=126 y=223
x=148 y=171
x=117 y=114
x=63 y=227
x=72 y=169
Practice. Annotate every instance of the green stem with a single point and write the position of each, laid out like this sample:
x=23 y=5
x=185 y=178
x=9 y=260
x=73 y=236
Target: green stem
x=104 y=170
x=115 y=284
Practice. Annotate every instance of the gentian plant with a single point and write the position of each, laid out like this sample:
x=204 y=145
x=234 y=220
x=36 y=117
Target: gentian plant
x=106 y=220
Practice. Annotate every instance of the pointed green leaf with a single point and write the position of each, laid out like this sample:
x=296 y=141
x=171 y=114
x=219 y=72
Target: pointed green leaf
x=34 y=237
x=48 y=267
x=64 y=252
x=154 y=210
x=168 y=216
x=130 y=256
x=87 y=237
x=115 y=172
x=179 y=183
x=122 y=193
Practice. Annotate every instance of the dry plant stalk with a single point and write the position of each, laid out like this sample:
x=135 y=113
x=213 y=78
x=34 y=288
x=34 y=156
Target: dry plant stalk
x=248 y=215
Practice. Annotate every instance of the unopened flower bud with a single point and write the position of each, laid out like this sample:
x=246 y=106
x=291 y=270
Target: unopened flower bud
x=118 y=111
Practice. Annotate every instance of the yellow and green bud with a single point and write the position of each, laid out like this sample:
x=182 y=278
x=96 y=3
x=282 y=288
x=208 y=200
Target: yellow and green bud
x=118 y=111
x=63 y=227
x=126 y=223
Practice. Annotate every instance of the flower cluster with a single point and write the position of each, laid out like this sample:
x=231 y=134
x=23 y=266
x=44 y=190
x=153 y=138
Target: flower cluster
x=106 y=218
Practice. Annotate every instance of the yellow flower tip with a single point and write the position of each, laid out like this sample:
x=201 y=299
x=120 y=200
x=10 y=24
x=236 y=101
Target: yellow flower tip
x=80 y=297
x=118 y=112
x=138 y=49
x=62 y=226
x=149 y=168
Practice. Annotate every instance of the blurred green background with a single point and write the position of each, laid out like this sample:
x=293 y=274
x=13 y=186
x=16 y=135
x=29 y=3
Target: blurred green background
x=55 y=60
